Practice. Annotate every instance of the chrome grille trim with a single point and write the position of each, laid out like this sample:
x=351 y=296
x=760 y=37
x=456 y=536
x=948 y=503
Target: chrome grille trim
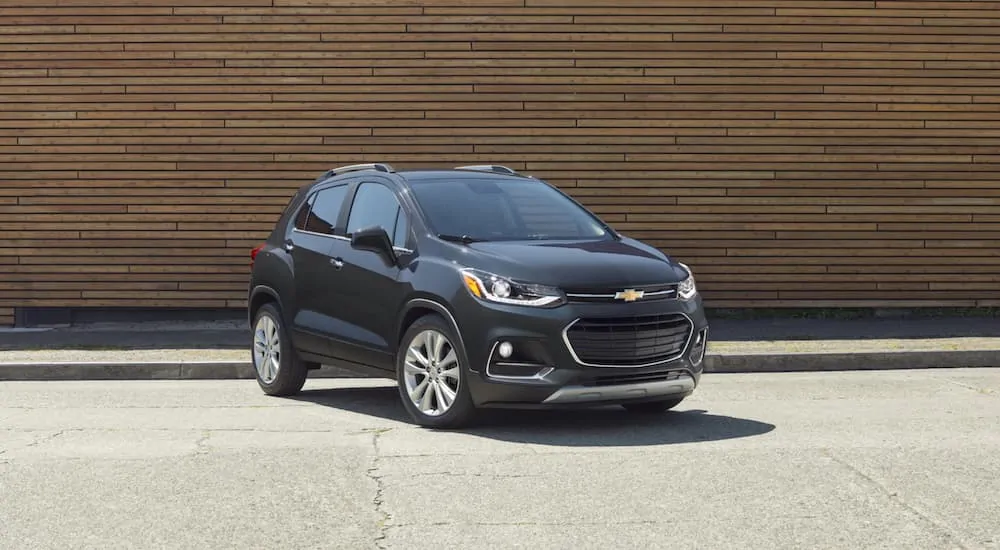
x=680 y=354
x=612 y=296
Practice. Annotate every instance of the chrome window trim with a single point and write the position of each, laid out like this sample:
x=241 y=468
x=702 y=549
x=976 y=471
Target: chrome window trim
x=679 y=355
x=540 y=375
x=306 y=232
x=343 y=238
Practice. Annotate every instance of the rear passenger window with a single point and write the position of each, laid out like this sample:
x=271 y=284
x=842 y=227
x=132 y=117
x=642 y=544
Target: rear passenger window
x=325 y=210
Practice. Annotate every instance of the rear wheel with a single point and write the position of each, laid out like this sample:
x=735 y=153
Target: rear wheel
x=431 y=374
x=653 y=407
x=279 y=370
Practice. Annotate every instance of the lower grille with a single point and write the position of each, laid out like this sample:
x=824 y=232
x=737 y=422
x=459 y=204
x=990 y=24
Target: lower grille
x=628 y=341
x=638 y=378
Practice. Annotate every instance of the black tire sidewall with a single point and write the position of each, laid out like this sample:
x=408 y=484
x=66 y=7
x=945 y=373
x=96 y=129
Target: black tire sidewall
x=291 y=371
x=462 y=411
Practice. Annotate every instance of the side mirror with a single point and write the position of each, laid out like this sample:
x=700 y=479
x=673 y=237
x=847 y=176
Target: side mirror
x=374 y=239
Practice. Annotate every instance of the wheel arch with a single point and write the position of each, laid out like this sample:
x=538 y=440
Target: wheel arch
x=416 y=308
x=260 y=295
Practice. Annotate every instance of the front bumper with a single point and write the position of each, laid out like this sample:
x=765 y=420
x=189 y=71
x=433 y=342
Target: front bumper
x=569 y=395
x=555 y=375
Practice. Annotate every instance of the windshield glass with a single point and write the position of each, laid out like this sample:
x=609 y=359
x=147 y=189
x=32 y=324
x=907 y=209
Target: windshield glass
x=507 y=209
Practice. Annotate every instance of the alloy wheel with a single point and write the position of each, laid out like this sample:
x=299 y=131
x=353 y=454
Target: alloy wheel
x=266 y=349
x=432 y=373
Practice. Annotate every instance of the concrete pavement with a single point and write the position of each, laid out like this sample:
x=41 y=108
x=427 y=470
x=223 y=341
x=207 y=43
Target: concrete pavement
x=897 y=459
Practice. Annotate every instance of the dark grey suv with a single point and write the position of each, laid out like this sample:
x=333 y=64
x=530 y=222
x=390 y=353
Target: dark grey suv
x=472 y=287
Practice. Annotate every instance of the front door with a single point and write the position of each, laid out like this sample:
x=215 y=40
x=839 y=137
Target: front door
x=374 y=286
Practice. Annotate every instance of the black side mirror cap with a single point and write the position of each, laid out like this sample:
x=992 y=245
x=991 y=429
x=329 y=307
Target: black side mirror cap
x=375 y=239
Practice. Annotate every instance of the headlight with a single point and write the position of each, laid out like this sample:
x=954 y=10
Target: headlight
x=687 y=289
x=494 y=288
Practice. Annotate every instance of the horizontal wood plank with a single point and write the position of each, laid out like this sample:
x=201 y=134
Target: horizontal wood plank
x=801 y=153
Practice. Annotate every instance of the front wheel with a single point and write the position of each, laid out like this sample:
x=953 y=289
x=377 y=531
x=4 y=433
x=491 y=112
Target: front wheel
x=653 y=407
x=431 y=374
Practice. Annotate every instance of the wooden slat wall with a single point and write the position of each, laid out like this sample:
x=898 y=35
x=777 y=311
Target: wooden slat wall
x=795 y=152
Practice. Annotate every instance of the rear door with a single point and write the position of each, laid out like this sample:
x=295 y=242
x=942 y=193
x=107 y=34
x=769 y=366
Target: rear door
x=313 y=242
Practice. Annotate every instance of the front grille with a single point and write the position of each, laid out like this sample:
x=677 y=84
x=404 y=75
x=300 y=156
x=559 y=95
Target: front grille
x=629 y=341
x=657 y=376
x=607 y=295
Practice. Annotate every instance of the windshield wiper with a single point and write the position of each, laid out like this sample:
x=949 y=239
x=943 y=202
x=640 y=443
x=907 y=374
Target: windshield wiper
x=464 y=239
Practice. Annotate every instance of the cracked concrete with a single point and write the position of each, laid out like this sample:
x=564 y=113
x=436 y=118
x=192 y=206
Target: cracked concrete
x=41 y=440
x=941 y=526
x=202 y=444
x=379 y=499
x=833 y=460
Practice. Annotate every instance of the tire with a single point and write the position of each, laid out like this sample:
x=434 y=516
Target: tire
x=442 y=376
x=291 y=371
x=653 y=407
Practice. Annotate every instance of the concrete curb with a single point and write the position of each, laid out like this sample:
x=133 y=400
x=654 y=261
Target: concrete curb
x=140 y=370
x=851 y=361
x=714 y=363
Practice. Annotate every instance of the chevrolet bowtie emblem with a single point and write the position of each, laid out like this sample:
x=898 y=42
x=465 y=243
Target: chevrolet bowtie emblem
x=629 y=295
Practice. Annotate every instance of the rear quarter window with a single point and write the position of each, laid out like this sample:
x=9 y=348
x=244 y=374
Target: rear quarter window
x=303 y=213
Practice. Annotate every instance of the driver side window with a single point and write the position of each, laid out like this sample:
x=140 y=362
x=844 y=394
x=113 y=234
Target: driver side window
x=376 y=205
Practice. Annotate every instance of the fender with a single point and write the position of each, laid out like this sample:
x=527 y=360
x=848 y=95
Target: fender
x=257 y=291
x=436 y=306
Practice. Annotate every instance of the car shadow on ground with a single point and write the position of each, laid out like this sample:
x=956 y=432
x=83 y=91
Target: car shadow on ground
x=605 y=426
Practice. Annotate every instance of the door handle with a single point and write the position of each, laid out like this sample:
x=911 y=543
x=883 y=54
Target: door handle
x=337 y=263
x=289 y=246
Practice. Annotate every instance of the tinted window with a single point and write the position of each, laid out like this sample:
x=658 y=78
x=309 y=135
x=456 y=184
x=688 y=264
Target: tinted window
x=402 y=230
x=376 y=205
x=326 y=209
x=302 y=217
x=508 y=209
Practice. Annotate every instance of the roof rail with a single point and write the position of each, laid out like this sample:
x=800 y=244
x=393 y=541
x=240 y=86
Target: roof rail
x=495 y=168
x=377 y=166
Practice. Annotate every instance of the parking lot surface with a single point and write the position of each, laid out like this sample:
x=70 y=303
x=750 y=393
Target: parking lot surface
x=901 y=459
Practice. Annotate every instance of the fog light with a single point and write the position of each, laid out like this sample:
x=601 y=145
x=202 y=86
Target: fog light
x=698 y=348
x=506 y=349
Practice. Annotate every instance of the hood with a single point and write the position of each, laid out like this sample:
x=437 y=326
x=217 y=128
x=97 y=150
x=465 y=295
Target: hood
x=579 y=264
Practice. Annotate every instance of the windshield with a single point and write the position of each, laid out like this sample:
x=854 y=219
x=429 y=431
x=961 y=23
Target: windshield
x=509 y=209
